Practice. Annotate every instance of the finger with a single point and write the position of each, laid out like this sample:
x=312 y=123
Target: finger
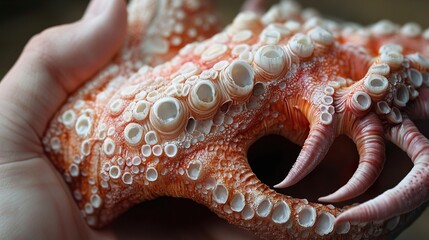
x=58 y=60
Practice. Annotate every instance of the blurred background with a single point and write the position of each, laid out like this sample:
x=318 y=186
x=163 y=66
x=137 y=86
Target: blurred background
x=19 y=20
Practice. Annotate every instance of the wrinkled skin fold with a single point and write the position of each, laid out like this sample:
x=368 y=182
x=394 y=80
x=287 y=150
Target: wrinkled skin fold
x=174 y=115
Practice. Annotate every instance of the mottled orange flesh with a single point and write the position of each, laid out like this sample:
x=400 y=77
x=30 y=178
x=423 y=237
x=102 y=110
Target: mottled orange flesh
x=107 y=153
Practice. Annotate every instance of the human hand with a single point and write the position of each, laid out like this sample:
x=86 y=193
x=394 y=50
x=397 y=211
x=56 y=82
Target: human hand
x=35 y=203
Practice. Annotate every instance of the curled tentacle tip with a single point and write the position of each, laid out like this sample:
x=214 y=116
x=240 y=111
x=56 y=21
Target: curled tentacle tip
x=338 y=196
x=293 y=177
x=347 y=217
x=285 y=183
x=339 y=220
x=329 y=198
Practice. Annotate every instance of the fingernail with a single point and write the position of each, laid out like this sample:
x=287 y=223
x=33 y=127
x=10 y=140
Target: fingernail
x=96 y=7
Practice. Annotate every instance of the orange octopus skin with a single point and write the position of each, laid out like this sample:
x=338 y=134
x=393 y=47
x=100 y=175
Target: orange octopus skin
x=147 y=126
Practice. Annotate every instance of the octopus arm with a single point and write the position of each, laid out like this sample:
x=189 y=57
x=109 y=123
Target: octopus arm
x=317 y=144
x=367 y=133
x=152 y=40
x=419 y=108
x=413 y=189
x=245 y=201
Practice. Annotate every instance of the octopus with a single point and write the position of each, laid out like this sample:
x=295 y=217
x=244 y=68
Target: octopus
x=177 y=109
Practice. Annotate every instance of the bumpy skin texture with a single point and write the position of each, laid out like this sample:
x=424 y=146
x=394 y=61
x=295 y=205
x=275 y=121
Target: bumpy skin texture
x=181 y=128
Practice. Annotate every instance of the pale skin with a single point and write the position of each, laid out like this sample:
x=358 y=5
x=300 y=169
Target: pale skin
x=53 y=64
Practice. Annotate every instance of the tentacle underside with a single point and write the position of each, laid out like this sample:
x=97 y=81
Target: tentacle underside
x=420 y=107
x=367 y=134
x=174 y=114
x=413 y=189
x=315 y=147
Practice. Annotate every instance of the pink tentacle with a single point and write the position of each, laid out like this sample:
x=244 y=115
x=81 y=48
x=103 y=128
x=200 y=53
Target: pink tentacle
x=419 y=108
x=367 y=133
x=317 y=144
x=411 y=192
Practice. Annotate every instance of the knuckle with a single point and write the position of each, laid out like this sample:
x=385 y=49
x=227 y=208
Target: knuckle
x=42 y=45
x=42 y=49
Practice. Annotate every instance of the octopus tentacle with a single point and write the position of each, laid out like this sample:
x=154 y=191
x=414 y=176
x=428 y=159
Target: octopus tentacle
x=317 y=144
x=367 y=133
x=419 y=108
x=152 y=39
x=413 y=189
x=252 y=204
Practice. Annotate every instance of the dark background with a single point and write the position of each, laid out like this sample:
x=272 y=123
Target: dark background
x=19 y=20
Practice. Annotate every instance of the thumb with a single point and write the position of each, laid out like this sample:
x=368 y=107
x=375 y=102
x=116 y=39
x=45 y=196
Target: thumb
x=58 y=60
